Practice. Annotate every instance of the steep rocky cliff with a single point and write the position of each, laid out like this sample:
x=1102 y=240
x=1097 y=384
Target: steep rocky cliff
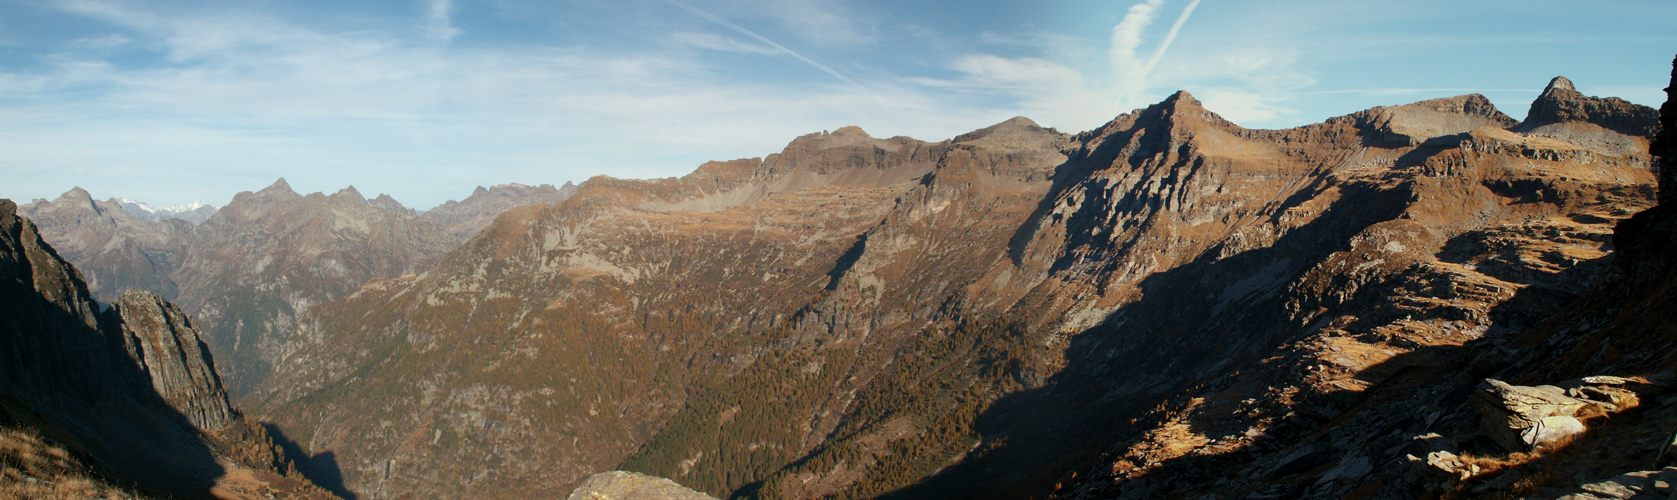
x=858 y=317
x=124 y=397
x=466 y=217
x=162 y=341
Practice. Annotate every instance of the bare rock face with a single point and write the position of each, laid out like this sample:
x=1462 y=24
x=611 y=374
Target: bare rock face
x=466 y=217
x=622 y=485
x=161 y=339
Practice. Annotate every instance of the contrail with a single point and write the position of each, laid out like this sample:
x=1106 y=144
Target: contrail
x=1126 y=38
x=724 y=22
x=1171 y=37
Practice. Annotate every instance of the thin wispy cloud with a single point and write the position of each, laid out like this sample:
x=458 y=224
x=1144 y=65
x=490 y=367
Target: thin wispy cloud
x=1127 y=36
x=724 y=23
x=714 y=42
x=441 y=26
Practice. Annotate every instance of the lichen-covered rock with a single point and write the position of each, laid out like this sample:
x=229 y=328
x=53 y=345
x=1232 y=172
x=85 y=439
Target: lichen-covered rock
x=622 y=485
x=161 y=339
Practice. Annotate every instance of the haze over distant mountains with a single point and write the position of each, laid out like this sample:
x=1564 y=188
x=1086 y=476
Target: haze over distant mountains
x=246 y=271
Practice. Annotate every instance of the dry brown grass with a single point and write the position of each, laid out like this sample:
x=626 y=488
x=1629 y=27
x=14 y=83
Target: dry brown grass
x=32 y=467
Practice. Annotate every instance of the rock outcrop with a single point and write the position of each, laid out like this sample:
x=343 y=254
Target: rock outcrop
x=466 y=217
x=1525 y=418
x=162 y=341
x=623 y=485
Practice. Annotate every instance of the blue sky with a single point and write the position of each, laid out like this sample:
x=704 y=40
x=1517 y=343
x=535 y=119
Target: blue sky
x=171 y=102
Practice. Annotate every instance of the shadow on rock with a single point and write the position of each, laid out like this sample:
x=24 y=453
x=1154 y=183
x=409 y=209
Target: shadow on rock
x=320 y=468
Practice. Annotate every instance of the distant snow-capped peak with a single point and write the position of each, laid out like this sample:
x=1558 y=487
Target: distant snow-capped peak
x=137 y=204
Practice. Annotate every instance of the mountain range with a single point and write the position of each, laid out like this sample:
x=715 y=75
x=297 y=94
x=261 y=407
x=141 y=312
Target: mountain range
x=245 y=272
x=1422 y=300
x=977 y=317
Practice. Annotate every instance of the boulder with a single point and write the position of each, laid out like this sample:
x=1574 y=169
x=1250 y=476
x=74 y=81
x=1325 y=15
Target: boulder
x=1522 y=418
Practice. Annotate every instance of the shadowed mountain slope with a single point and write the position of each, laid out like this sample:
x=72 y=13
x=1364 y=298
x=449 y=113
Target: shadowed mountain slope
x=127 y=397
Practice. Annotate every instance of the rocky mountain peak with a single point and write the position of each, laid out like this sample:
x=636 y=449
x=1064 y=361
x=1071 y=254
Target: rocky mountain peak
x=1562 y=103
x=78 y=194
x=76 y=199
x=350 y=193
x=1013 y=133
x=1415 y=123
x=1182 y=109
x=279 y=186
x=1183 y=97
x=850 y=130
x=386 y=203
x=466 y=217
x=1559 y=84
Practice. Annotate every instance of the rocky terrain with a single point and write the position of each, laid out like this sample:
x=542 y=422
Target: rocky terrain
x=1167 y=305
x=1452 y=375
x=121 y=402
x=245 y=273
x=466 y=217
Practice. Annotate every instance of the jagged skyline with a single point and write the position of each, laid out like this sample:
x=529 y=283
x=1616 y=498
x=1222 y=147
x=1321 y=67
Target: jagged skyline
x=169 y=103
